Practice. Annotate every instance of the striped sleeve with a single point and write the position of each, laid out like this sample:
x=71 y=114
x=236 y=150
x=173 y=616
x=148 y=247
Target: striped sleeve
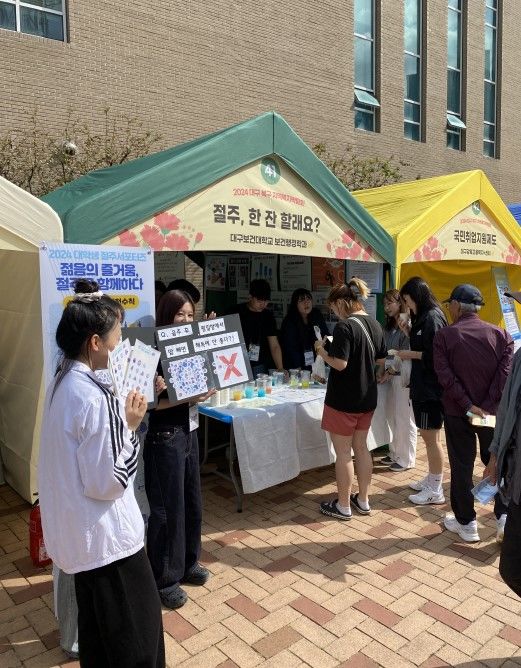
x=108 y=451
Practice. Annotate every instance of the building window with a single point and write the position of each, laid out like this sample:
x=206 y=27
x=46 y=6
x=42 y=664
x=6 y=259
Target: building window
x=455 y=124
x=44 y=18
x=490 y=76
x=412 y=67
x=366 y=103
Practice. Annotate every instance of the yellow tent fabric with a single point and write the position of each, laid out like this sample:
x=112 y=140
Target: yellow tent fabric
x=420 y=212
x=25 y=222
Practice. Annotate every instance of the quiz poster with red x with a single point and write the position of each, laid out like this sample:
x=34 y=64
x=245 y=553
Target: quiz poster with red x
x=199 y=356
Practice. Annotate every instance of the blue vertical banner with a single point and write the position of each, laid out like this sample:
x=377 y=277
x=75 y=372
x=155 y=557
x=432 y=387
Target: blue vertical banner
x=507 y=305
x=124 y=273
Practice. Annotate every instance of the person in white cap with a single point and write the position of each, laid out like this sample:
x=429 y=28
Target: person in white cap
x=472 y=359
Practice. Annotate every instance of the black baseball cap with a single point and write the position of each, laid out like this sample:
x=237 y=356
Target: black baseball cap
x=466 y=294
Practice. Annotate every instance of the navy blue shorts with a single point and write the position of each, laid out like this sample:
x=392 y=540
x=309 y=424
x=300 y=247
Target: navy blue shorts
x=428 y=414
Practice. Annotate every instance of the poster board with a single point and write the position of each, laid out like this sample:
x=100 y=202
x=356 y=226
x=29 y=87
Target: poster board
x=370 y=272
x=239 y=273
x=295 y=272
x=168 y=266
x=265 y=266
x=215 y=272
x=125 y=274
x=199 y=356
x=507 y=305
x=327 y=272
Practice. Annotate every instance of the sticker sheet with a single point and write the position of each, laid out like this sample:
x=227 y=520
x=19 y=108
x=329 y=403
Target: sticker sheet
x=118 y=361
x=141 y=370
x=133 y=367
x=188 y=376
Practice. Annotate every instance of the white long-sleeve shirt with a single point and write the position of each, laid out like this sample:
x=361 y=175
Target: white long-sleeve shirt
x=88 y=458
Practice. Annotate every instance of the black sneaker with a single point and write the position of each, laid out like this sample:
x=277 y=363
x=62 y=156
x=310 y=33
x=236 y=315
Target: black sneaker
x=386 y=460
x=356 y=504
x=330 y=508
x=173 y=597
x=397 y=467
x=199 y=575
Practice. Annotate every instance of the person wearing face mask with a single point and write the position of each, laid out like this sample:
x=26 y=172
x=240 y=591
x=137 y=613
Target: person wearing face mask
x=91 y=521
x=297 y=334
x=172 y=481
x=393 y=393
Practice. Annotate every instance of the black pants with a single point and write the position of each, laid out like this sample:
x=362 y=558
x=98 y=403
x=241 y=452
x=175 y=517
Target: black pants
x=461 y=447
x=173 y=487
x=119 y=616
x=510 y=562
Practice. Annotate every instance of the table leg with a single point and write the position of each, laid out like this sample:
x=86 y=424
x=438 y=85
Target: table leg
x=205 y=451
x=235 y=481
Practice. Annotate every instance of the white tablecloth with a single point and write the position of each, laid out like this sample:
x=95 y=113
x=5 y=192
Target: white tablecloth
x=278 y=437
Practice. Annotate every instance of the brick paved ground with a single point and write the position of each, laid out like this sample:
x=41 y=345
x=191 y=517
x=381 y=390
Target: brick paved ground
x=293 y=588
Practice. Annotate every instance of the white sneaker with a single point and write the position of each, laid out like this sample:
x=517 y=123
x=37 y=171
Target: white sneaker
x=500 y=524
x=467 y=532
x=426 y=497
x=418 y=485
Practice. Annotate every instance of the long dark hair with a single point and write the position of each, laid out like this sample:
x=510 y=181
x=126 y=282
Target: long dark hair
x=421 y=295
x=393 y=295
x=169 y=304
x=293 y=312
x=90 y=312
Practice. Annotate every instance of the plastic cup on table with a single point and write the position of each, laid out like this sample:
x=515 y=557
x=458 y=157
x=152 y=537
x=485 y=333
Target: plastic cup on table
x=305 y=377
x=249 y=390
x=261 y=387
x=237 y=391
x=293 y=378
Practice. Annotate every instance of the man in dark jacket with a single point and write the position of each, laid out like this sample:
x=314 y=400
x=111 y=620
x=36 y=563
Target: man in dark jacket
x=472 y=360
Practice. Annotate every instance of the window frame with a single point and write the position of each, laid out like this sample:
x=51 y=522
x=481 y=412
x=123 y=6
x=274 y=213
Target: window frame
x=453 y=131
x=492 y=82
x=419 y=58
x=367 y=109
x=24 y=3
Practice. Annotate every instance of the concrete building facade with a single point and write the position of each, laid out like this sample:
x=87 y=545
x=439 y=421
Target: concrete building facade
x=186 y=69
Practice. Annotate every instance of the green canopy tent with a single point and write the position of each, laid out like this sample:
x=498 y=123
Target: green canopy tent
x=169 y=200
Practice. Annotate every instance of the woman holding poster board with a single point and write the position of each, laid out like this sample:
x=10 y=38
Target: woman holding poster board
x=92 y=524
x=172 y=481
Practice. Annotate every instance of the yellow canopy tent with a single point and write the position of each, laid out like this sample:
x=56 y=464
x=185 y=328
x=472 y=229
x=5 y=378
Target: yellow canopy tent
x=25 y=222
x=450 y=229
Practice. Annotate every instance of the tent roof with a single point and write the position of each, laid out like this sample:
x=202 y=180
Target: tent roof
x=25 y=221
x=411 y=212
x=103 y=203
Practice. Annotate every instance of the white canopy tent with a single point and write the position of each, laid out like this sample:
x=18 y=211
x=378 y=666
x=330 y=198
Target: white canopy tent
x=25 y=222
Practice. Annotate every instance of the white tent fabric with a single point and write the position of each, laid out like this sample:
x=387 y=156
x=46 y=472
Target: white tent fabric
x=25 y=222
